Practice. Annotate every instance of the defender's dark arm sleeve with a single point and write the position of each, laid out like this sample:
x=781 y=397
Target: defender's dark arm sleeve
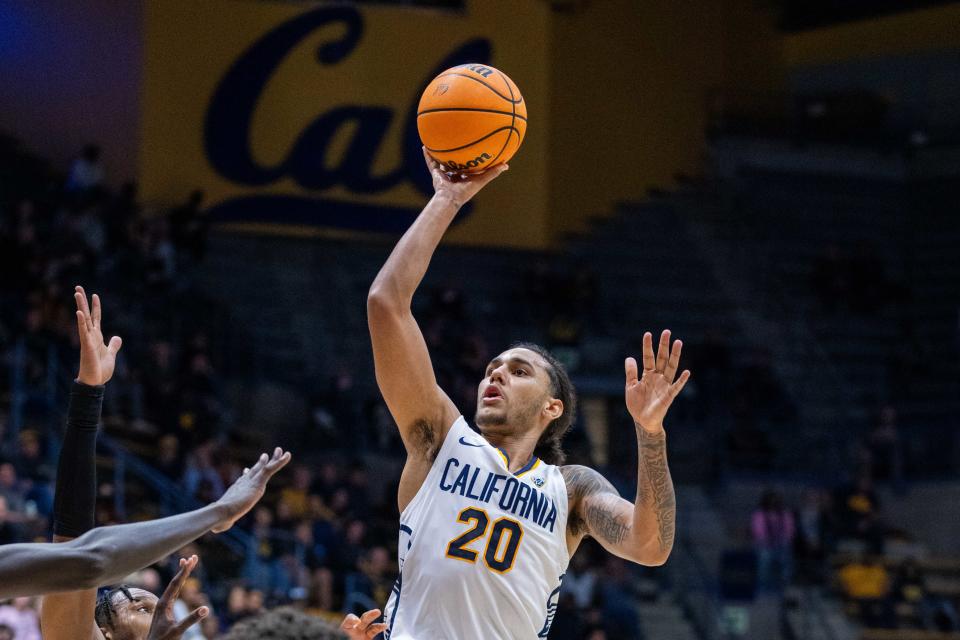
x=75 y=499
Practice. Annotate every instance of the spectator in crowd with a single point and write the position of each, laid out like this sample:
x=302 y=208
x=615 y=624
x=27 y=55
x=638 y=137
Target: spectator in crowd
x=866 y=585
x=815 y=534
x=169 y=461
x=580 y=581
x=773 y=529
x=373 y=582
x=201 y=472
x=235 y=609
x=191 y=598
x=297 y=496
x=9 y=531
x=14 y=493
x=86 y=172
x=859 y=512
x=21 y=617
x=254 y=602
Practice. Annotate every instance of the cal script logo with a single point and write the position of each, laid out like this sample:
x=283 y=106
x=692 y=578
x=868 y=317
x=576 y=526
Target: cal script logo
x=231 y=110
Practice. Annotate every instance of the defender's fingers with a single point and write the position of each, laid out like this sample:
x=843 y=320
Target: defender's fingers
x=82 y=300
x=649 y=364
x=195 y=616
x=375 y=629
x=663 y=350
x=630 y=368
x=671 y=371
x=115 y=343
x=350 y=622
x=172 y=591
x=677 y=386
x=262 y=463
x=79 y=300
x=369 y=616
x=278 y=463
x=81 y=323
x=97 y=311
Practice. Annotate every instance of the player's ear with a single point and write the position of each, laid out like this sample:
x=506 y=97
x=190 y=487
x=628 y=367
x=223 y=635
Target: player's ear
x=553 y=409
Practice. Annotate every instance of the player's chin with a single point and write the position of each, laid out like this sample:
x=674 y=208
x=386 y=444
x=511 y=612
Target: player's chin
x=490 y=416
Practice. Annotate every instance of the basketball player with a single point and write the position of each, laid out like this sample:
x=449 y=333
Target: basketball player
x=120 y=613
x=126 y=613
x=489 y=521
x=107 y=554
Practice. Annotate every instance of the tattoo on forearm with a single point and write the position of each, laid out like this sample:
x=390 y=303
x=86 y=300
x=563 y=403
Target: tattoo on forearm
x=605 y=524
x=600 y=518
x=655 y=487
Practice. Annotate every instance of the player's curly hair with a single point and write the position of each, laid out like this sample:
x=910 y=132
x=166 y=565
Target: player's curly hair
x=550 y=445
x=104 y=612
x=284 y=623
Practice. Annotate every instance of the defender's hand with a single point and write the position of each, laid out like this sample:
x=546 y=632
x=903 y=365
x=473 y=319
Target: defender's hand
x=164 y=625
x=97 y=360
x=459 y=187
x=364 y=627
x=649 y=397
x=249 y=487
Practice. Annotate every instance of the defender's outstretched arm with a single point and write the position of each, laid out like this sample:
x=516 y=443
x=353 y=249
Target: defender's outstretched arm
x=63 y=616
x=107 y=554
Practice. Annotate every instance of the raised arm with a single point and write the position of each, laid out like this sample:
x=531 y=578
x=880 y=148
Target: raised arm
x=642 y=531
x=107 y=554
x=62 y=615
x=422 y=410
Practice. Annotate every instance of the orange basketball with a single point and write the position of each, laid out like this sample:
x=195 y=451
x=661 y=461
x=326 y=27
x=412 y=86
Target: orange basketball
x=471 y=118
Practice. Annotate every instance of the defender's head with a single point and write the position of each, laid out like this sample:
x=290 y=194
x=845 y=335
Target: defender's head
x=125 y=613
x=284 y=623
x=526 y=391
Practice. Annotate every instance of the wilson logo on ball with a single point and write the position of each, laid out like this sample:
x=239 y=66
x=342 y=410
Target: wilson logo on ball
x=470 y=164
x=486 y=72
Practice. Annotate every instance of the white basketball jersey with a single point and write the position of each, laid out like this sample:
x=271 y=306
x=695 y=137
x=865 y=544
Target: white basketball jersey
x=482 y=551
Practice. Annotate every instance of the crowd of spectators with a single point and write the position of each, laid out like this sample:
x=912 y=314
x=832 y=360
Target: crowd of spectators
x=838 y=540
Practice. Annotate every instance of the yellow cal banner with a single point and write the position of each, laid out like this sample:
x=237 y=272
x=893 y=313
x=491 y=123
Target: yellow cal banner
x=299 y=115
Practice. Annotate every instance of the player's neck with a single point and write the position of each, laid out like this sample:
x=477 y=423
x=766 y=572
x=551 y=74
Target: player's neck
x=518 y=450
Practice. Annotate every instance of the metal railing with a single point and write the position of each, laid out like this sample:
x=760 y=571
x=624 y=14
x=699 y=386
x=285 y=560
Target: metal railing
x=171 y=495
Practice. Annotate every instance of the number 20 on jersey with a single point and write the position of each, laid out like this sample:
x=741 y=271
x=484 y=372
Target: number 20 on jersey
x=502 y=545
